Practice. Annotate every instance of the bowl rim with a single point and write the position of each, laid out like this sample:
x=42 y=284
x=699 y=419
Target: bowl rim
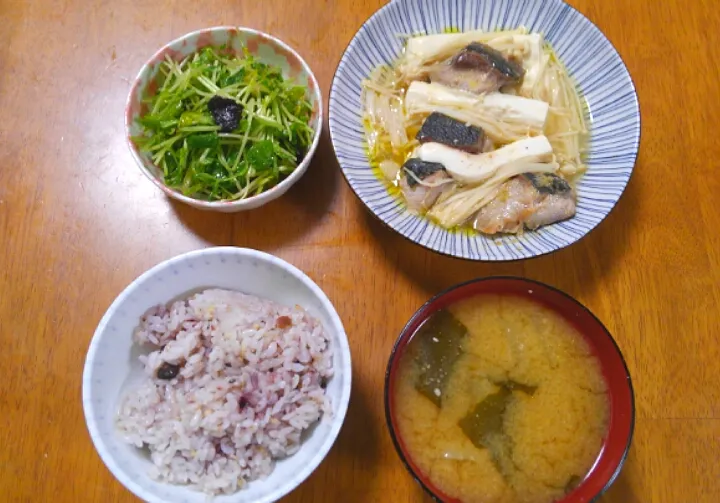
x=337 y=419
x=263 y=197
x=637 y=133
x=422 y=312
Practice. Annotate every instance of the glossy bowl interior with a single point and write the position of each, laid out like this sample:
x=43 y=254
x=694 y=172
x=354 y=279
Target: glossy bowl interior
x=622 y=407
x=112 y=365
x=263 y=46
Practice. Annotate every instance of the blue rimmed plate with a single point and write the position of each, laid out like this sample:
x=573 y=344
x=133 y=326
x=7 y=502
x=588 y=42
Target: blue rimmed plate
x=588 y=55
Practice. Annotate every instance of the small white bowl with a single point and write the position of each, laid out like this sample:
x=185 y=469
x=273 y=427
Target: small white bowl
x=265 y=48
x=111 y=365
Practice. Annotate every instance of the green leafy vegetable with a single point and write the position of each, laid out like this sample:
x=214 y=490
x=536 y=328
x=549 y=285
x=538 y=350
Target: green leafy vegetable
x=261 y=155
x=203 y=140
x=180 y=134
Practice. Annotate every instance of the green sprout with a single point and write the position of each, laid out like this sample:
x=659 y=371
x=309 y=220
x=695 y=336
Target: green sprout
x=182 y=139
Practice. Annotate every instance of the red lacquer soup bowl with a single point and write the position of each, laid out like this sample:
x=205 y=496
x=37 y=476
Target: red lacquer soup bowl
x=616 y=443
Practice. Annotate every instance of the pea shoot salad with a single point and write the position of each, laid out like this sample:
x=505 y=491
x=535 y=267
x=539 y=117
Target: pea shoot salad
x=223 y=126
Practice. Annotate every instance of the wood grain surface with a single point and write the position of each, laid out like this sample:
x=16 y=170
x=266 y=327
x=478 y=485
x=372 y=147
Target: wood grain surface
x=78 y=222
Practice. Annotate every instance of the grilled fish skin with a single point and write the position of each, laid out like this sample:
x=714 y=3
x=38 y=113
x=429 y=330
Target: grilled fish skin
x=440 y=128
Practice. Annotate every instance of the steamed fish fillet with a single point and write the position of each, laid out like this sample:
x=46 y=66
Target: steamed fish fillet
x=420 y=197
x=527 y=201
x=462 y=204
x=477 y=68
x=512 y=206
x=422 y=183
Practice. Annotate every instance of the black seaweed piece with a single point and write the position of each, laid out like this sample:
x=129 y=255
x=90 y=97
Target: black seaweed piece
x=421 y=169
x=225 y=112
x=548 y=183
x=477 y=56
x=440 y=128
x=439 y=345
x=167 y=371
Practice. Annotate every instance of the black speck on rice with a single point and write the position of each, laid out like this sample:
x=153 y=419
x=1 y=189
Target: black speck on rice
x=247 y=388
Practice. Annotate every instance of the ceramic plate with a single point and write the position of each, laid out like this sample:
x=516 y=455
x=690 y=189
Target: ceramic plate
x=593 y=62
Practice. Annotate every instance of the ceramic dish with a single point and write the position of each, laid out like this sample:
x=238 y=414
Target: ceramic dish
x=112 y=365
x=267 y=49
x=591 y=60
x=616 y=443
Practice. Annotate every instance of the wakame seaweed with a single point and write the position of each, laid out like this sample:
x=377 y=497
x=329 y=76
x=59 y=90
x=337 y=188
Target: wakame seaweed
x=439 y=345
x=486 y=418
x=484 y=424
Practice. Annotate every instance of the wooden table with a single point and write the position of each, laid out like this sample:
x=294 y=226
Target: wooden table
x=78 y=222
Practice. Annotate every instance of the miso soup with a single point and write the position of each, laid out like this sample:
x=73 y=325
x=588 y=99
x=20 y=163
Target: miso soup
x=499 y=399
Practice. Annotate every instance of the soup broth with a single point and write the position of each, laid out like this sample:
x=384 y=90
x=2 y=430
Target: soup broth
x=499 y=399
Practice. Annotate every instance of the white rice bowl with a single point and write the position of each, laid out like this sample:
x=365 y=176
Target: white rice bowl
x=253 y=386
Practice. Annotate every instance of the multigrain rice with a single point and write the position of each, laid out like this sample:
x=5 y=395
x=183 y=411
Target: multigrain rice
x=249 y=378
